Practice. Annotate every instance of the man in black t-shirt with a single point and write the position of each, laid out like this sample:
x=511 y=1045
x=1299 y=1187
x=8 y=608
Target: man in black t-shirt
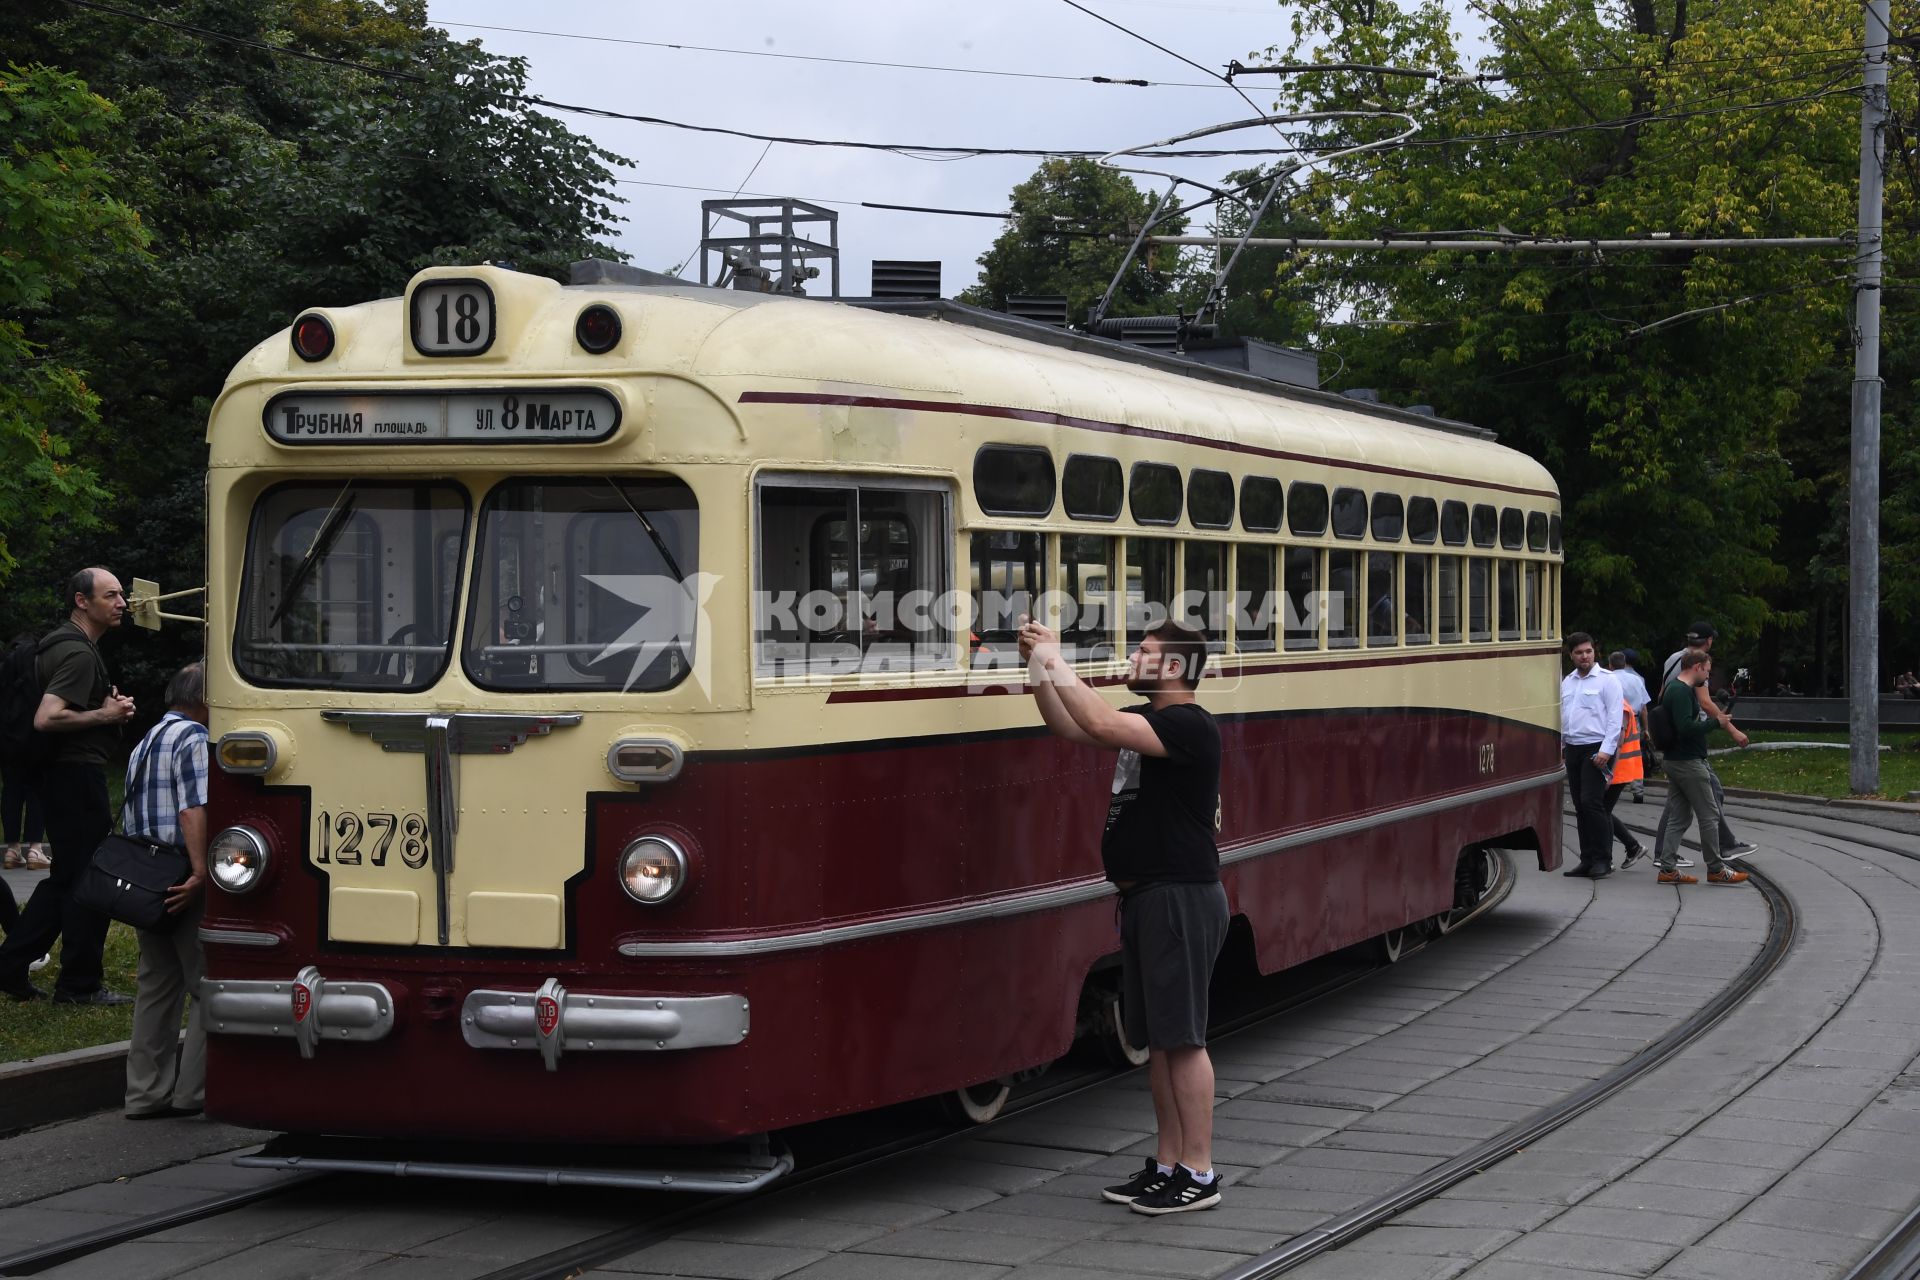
x=80 y=713
x=1159 y=851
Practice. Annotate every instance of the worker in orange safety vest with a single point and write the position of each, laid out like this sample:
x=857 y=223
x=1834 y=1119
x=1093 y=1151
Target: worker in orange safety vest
x=1629 y=766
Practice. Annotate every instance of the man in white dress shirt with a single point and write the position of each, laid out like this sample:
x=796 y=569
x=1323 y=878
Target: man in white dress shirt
x=1590 y=724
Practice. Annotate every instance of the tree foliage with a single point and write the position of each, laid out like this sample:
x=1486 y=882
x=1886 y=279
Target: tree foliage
x=319 y=154
x=59 y=219
x=1675 y=394
x=1058 y=242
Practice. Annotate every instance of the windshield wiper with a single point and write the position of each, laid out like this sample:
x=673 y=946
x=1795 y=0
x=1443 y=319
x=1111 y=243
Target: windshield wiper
x=659 y=543
x=316 y=551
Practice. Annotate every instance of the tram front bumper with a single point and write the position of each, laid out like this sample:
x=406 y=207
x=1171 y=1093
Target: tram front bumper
x=549 y=1019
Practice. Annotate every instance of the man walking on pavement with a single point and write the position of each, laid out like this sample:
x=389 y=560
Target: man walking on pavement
x=1590 y=702
x=1159 y=851
x=80 y=713
x=1700 y=636
x=1688 y=794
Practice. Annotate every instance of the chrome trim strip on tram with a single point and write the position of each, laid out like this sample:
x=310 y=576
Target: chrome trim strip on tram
x=239 y=937
x=1069 y=895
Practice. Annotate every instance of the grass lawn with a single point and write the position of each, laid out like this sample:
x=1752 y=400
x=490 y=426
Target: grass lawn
x=40 y=1026
x=1818 y=771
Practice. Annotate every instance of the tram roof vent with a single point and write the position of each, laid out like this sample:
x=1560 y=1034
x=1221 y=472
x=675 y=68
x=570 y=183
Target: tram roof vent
x=896 y=278
x=1041 y=308
x=1424 y=410
x=1368 y=395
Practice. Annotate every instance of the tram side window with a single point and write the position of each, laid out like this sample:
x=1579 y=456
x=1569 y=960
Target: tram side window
x=1417 y=584
x=1149 y=586
x=847 y=575
x=1509 y=579
x=1092 y=487
x=1303 y=604
x=1087 y=568
x=583 y=585
x=1203 y=601
x=1453 y=523
x=1423 y=519
x=1534 y=631
x=1349 y=513
x=1383 y=610
x=1447 y=600
x=1254 y=602
x=350 y=585
x=1306 y=508
x=1485 y=525
x=1389 y=517
x=1008 y=576
x=1344 y=606
x=1261 y=504
x=1479 y=624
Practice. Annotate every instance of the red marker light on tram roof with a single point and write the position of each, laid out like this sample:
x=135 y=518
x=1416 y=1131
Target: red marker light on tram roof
x=312 y=338
x=598 y=329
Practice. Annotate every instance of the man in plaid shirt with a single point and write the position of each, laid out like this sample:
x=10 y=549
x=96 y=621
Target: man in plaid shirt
x=167 y=802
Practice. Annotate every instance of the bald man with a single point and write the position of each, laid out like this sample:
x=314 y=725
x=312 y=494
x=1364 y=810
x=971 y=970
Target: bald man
x=80 y=715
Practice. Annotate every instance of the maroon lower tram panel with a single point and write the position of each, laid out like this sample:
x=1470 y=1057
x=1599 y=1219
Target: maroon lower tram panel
x=790 y=844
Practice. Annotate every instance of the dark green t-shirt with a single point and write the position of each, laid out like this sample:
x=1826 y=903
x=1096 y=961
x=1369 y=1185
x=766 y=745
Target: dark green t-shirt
x=1690 y=729
x=72 y=670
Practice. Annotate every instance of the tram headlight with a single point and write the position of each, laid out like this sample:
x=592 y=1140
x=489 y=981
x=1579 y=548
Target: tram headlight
x=237 y=859
x=653 y=869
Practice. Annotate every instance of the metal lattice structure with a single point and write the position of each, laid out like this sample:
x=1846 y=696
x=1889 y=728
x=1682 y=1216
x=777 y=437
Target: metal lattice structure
x=783 y=241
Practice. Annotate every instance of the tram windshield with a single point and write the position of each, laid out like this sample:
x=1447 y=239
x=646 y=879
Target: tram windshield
x=351 y=585
x=584 y=585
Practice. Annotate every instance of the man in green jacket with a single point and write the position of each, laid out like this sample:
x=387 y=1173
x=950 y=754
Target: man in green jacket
x=1689 y=781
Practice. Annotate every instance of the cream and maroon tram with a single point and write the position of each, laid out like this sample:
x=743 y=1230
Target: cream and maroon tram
x=618 y=734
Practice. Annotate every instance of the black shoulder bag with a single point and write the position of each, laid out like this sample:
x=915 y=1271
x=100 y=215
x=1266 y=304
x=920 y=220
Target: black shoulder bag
x=130 y=876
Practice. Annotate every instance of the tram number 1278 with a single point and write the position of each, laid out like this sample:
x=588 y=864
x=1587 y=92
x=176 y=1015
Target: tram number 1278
x=346 y=838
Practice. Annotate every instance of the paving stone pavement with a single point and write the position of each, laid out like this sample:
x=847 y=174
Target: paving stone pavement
x=1782 y=1143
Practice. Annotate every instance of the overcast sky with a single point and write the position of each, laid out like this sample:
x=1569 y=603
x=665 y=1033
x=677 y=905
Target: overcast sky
x=838 y=101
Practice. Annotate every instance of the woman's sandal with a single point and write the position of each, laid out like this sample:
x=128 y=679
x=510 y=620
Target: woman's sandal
x=10 y=858
x=37 y=859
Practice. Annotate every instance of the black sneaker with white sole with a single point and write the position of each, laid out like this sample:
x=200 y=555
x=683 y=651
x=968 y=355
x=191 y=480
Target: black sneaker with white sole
x=1180 y=1194
x=1147 y=1180
x=1634 y=855
x=1739 y=849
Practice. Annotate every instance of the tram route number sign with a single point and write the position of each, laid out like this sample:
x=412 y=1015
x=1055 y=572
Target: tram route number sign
x=523 y=415
x=348 y=838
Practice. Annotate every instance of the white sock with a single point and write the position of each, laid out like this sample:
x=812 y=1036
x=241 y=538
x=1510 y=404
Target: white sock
x=1166 y=1170
x=1202 y=1178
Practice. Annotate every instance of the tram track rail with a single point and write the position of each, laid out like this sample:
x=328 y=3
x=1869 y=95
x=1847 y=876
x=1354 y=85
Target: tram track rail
x=688 y=1208
x=1347 y=1227
x=571 y=1260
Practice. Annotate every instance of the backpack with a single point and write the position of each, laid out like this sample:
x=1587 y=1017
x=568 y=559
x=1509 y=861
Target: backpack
x=20 y=692
x=1660 y=724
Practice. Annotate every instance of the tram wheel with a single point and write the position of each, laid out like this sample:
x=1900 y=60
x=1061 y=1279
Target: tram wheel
x=1115 y=1050
x=1473 y=877
x=1390 y=944
x=977 y=1103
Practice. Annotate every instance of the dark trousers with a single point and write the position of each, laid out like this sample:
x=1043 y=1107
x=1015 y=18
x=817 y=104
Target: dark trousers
x=20 y=805
x=79 y=816
x=1619 y=828
x=1587 y=787
x=1727 y=840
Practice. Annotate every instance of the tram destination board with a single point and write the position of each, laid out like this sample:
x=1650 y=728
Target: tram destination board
x=563 y=415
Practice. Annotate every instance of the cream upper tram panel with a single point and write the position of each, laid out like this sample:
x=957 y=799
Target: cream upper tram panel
x=710 y=346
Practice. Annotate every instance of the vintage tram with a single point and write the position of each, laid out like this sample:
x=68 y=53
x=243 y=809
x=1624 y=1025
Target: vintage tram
x=618 y=737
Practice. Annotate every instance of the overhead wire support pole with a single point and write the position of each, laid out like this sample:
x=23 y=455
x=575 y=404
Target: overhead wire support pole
x=1863 y=520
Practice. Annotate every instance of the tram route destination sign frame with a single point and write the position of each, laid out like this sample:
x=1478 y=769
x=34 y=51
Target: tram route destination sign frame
x=511 y=415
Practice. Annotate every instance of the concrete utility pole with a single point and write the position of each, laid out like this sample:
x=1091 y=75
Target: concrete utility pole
x=1863 y=523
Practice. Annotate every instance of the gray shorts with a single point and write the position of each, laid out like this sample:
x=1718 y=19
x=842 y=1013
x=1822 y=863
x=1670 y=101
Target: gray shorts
x=1170 y=935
